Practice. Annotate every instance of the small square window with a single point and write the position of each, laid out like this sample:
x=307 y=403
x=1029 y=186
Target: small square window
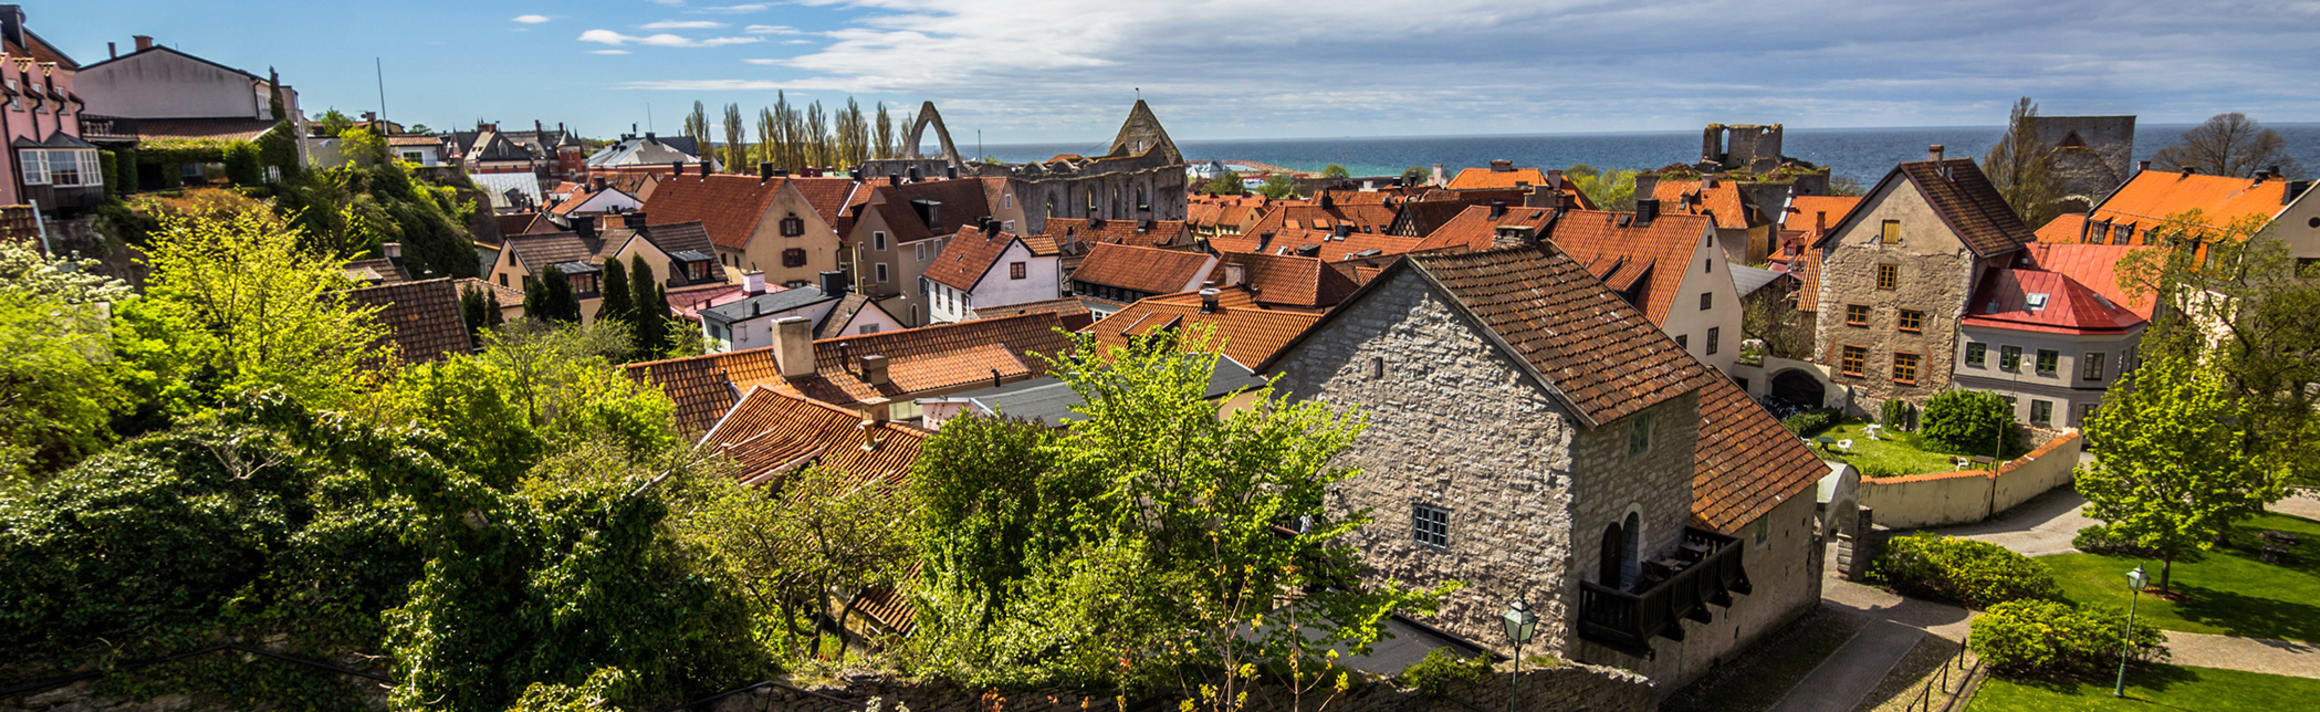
x=1888 y=277
x=1977 y=355
x=1912 y=321
x=1854 y=362
x=1905 y=369
x=881 y=270
x=2048 y=360
x=1890 y=233
x=1639 y=435
x=1856 y=315
x=2041 y=412
x=1684 y=341
x=1707 y=301
x=1017 y=270
x=2010 y=358
x=878 y=240
x=1430 y=525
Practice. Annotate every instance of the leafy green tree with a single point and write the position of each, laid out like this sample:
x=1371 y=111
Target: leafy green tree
x=736 y=160
x=1226 y=183
x=274 y=103
x=1416 y=176
x=241 y=159
x=558 y=303
x=1969 y=421
x=58 y=388
x=2172 y=473
x=697 y=128
x=333 y=122
x=1610 y=190
x=1278 y=187
x=789 y=545
x=1334 y=171
x=617 y=295
x=2022 y=167
x=362 y=147
x=1151 y=525
x=884 y=136
x=2229 y=145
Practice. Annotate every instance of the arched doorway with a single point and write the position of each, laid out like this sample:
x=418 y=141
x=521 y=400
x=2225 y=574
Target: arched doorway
x=1796 y=389
x=1630 y=551
x=1607 y=571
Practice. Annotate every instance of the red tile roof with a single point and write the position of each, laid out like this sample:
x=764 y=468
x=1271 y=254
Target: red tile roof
x=1083 y=231
x=970 y=254
x=728 y=206
x=2005 y=300
x=1142 y=269
x=1584 y=342
x=961 y=199
x=1807 y=220
x=1244 y=331
x=2092 y=266
x=2064 y=228
x=1474 y=229
x=829 y=198
x=422 y=318
x=1071 y=310
x=2150 y=198
x=1290 y=280
x=770 y=433
x=1487 y=179
x=1647 y=262
x=1325 y=244
x=1291 y=217
x=1693 y=197
x=1744 y=463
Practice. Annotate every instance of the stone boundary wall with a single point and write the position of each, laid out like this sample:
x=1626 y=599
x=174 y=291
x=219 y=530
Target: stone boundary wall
x=1966 y=496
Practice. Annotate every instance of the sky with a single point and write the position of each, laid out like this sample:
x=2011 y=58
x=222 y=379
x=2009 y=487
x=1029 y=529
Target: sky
x=1054 y=70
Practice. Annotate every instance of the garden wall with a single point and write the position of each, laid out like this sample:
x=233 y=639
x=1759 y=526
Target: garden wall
x=1940 y=498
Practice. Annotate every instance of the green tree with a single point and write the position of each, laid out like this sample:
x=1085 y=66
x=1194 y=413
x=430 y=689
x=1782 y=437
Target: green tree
x=58 y=389
x=2172 y=473
x=333 y=122
x=1416 y=176
x=1226 y=183
x=558 y=303
x=274 y=105
x=242 y=164
x=884 y=137
x=1152 y=525
x=2022 y=167
x=617 y=295
x=697 y=128
x=649 y=309
x=736 y=158
x=788 y=545
x=1610 y=190
x=2229 y=145
x=361 y=147
x=536 y=304
x=1278 y=187
x=472 y=311
x=1334 y=171
x=130 y=177
x=1969 y=421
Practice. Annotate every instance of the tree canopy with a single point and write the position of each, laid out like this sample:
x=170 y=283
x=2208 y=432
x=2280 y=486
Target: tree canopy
x=2229 y=145
x=1226 y=183
x=2022 y=167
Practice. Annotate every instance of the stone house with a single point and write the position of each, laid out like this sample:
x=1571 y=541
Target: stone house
x=1897 y=272
x=1532 y=435
x=785 y=227
x=678 y=254
x=1140 y=176
x=982 y=267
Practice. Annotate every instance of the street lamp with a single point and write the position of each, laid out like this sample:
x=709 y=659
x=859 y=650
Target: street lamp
x=2135 y=581
x=1520 y=624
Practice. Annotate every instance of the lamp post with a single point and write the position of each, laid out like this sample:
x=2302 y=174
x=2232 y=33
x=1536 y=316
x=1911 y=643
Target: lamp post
x=2135 y=581
x=1520 y=623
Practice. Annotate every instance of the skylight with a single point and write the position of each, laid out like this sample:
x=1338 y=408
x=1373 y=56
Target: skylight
x=2035 y=300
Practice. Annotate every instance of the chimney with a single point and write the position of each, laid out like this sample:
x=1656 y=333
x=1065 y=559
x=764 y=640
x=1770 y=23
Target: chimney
x=144 y=42
x=1144 y=226
x=1555 y=179
x=1208 y=300
x=1095 y=223
x=676 y=168
x=1501 y=166
x=2142 y=165
x=704 y=169
x=598 y=182
x=764 y=171
x=874 y=370
x=1497 y=209
x=753 y=283
x=1438 y=179
x=893 y=180
x=1327 y=202
x=1933 y=152
x=793 y=346
x=113 y=49
x=875 y=413
x=833 y=283
x=584 y=226
x=648 y=135
x=2186 y=171
x=633 y=220
x=951 y=172
x=1820 y=222
x=914 y=174
x=1235 y=274
x=1646 y=210
x=1308 y=250
x=393 y=250
x=539 y=132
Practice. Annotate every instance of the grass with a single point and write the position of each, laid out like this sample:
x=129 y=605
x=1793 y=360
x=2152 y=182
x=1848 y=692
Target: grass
x=1756 y=678
x=2229 y=590
x=1894 y=453
x=2152 y=688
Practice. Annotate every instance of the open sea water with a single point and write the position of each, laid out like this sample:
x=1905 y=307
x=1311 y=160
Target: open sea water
x=1863 y=154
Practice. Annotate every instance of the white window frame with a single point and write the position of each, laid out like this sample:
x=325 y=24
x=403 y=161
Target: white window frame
x=34 y=162
x=92 y=169
x=880 y=269
x=878 y=241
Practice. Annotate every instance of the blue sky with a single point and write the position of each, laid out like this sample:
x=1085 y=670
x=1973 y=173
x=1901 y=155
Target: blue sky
x=1056 y=70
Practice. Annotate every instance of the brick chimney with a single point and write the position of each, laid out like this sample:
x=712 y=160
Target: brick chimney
x=793 y=346
x=833 y=283
x=633 y=220
x=144 y=42
x=1933 y=152
x=1501 y=166
x=1208 y=299
x=584 y=226
x=874 y=370
x=1497 y=209
x=1646 y=210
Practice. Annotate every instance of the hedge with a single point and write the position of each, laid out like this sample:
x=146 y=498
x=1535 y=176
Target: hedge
x=1812 y=422
x=1964 y=571
x=2034 y=638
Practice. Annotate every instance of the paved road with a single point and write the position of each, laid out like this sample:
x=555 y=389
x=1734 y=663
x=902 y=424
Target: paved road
x=1853 y=670
x=2044 y=525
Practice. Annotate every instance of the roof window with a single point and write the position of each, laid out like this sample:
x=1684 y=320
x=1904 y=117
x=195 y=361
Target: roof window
x=2036 y=300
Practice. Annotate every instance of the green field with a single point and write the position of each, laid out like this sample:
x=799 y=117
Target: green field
x=1894 y=454
x=2228 y=590
x=2152 y=688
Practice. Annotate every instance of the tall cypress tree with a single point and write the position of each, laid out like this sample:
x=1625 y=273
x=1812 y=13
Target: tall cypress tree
x=561 y=305
x=536 y=299
x=492 y=315
x=645 y=320
x=617 y=296
x=471 y=310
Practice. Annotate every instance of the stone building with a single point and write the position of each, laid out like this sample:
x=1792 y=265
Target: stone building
x=1896 y=273
x=2092 y=155
x=1748 y=147
x=1140 y=176
x=1533 y=436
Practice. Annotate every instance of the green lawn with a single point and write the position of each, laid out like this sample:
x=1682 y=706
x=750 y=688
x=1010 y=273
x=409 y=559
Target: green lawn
x=2153 y=688
x=1893 y=454
x=2228 y=590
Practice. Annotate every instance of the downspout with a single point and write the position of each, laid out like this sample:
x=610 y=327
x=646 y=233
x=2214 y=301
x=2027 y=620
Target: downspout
x=40 y=227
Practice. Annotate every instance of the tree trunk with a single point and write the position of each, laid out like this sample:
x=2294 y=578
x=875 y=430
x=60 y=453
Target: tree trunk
x=2166 y=570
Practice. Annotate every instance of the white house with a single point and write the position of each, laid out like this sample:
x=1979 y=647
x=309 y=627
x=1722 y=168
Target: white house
x=985 y=267
x=747 y=323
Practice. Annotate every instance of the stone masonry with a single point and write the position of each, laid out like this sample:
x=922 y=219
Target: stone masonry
x=1935 y=277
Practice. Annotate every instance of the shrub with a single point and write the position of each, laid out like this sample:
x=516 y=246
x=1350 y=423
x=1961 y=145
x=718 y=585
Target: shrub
x=2052 y=639
x=241 y=159
x=1811 y=422
x=1969 y=421
x=1443 y=666
x=1898 y=414
x=1973 y=573
x=2098 y=539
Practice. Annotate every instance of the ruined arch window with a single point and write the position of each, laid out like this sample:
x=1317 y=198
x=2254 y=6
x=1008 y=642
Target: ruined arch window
x=1142 y=205
x=1050 y=205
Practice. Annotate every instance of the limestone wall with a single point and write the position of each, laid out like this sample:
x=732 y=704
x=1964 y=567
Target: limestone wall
x=1940 y=498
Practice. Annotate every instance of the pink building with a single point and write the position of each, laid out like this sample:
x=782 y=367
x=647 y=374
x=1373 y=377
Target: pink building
x=46 y=161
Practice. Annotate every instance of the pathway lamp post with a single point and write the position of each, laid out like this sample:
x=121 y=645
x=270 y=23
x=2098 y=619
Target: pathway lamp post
x=2135 y=581
x=1520 y=624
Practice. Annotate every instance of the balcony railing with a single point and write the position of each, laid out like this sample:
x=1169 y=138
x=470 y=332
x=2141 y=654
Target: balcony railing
x=1705 y=569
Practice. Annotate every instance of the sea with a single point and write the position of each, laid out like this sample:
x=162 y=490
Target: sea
x=1862 y=154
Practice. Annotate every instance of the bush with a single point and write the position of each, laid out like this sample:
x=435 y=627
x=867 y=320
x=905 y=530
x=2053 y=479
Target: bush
x=2054 y=639
x=1898 y=414
x=1443 y=666
x=1964 y=571
x=241 y=159
x=1969 y=421
x=1811 y=422
x=2098 y=539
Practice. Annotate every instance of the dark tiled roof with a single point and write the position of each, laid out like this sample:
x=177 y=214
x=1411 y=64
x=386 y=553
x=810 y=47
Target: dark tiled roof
x=1142 y=269
x=1966 y=201
x=422 y=317
x=1589 y=345
x=766 y=304
x=769 y=433
x=1244 y=331
x=1744 y=463
x=961 y=199
x=1083 y=231
x=376 y=271
x=969 y=255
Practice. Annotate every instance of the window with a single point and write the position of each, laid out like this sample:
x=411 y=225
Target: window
x=796 y=257
x=1684 y=341
x=792 y=226
x=1639 y=435
x=1007 y=226
x=1430 y=525
x=878 y=240
x=881 y=270
x=866 y=329
x=1891 y=233
x=1856 y=315
x=921 y=251
x=1713 y=333
x=35 y=164
x=2041 y=412
x=1377 y=367
x=1854 y=361
x=1707 y=301
x=414 y=156
x=1707 y=267
x=1977 y=354
x=2010 y=358
x=1007 y=201
x=503 y=279
x=2122 y=234
x=1888 y=276
x=1763 y=529
x=1912 y=321
x=1905 y=369
x=1017 y=270
x=2085 y=413
x=2048 y=359
x=2092 y=366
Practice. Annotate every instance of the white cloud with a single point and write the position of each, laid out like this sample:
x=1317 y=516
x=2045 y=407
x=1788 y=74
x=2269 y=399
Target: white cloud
x=744 y=9
x=683 y=25
x=608 y=51
x=761 y=61
x=663 y=39
x=770 y=30
x=797 y=42
x=668 y=3
x=531 y=19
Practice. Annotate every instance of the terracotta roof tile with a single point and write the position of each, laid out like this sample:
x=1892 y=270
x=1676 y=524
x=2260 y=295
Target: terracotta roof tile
x=961 y=199
x=421 y=317
x=1083 y=231
x=1487 y=179
x=1326 y=244
x=769 y=433
x=1287 y=217
x=2093 y=266
x=727 y=206
x=1142 y=269
x=2151 y=197
x=1744 y=463
x=1693 y=197
x=1071 y=310
x=1245 y=331
x=969 y=255
x=1966 y=201
x=1290 y=280
x=1474 y=229
x=2063 y=229
x=1646 y=262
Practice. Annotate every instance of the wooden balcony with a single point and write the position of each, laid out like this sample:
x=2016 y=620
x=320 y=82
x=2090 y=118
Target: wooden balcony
x=1704 y=570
